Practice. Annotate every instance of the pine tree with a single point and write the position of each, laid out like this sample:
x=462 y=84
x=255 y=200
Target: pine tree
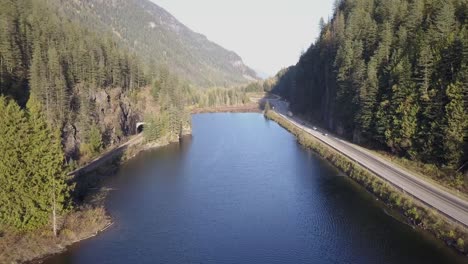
x=444 y=22
x=369 y=97
x=58 y=96
x=14 y=143
x=415 y=16
x=47 y=178
x=322 y=24
x=93 y=145
x=424 y=74
x=37 y=74
x=456 y=124
x=31 y=175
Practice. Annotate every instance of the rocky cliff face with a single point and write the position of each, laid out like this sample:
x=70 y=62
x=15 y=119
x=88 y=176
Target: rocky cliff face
x=113 y=111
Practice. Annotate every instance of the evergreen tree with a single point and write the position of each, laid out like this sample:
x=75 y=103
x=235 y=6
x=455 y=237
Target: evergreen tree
x=14 y=143
x=455 y=129
x=37 y=74
x=93 y=144
x=45 y=163
x=33 y=190
x=444 y=22
x=424 y=74
x=57 y=86
x=368 y=97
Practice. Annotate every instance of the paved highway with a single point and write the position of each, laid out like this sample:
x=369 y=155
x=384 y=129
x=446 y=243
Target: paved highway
x=430 y=194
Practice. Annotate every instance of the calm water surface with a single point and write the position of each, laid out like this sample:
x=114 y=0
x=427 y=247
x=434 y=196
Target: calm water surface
x=243 y=191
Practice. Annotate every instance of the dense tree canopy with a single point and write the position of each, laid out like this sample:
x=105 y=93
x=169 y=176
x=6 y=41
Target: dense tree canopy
x=32 y=172
x=391 y=74
x=171 y=96
x=45 y=54
x=51 y=70
x=65 y=66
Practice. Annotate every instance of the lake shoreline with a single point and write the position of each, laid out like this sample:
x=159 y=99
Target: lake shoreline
x=109 y=171
x=414 y=212
x=168 y=194
x=91 y=210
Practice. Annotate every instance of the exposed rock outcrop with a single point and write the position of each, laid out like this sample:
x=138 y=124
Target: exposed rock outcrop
x=111 y=110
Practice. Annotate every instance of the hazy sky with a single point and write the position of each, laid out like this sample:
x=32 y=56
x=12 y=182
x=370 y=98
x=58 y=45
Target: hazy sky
x=267 y=34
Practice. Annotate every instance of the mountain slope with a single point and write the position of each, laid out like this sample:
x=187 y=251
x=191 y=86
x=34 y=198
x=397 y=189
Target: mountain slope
x=390 y=74
x=161 y=39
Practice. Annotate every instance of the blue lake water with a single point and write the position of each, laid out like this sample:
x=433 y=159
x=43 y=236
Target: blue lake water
x=242 y=190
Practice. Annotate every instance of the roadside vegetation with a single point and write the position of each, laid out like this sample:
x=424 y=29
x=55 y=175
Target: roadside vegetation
x=417 y=214
x=454 y=181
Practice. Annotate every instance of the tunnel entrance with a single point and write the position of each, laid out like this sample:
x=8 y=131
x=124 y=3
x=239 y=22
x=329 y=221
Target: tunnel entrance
x=140 y=127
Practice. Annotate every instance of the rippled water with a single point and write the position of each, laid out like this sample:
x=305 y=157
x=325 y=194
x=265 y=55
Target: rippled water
x=243 y=191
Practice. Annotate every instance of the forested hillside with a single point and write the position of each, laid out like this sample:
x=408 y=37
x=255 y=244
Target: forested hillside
x=66 y=94
x=390 y=74
x=70 y=70
x=161 y=39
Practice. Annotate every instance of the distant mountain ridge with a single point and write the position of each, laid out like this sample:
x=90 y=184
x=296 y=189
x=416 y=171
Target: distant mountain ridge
x=159 y=38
